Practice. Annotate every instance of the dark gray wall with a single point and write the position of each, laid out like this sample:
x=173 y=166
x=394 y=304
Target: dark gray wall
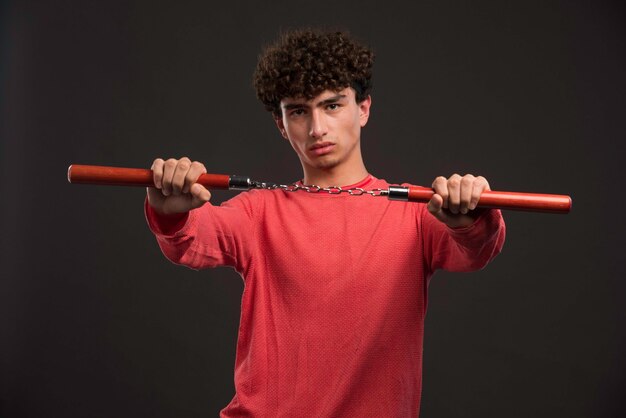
x=95 y=322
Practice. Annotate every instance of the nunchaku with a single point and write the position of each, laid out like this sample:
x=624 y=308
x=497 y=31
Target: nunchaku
x=118 y=176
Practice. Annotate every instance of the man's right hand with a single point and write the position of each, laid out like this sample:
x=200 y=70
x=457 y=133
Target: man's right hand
x=176 y=190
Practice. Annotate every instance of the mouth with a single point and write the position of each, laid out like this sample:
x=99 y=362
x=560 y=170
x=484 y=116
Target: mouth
x=321 y=148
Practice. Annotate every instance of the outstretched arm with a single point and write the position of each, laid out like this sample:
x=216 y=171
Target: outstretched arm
x=188 y=231
x=458 y=236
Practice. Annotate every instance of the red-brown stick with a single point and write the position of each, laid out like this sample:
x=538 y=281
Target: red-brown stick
x=533 y=202
x=118 y=176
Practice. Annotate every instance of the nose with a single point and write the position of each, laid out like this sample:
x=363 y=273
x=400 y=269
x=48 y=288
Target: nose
x=318 y=127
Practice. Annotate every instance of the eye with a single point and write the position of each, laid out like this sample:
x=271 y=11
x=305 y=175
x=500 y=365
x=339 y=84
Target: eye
x=333 y=106
x=296 y=112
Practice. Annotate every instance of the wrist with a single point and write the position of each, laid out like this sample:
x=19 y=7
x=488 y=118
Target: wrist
x=165 y=223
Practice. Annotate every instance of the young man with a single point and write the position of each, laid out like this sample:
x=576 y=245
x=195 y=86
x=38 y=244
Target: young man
x=335 y=290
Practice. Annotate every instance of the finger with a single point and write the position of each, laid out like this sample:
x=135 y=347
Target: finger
x=480 y=185
x=169 y=167
x=180 y=173
x=454 y=191
x=200 y=195
x=157 y=172
x=440 y=185
x=465 y=193
x=195 y=170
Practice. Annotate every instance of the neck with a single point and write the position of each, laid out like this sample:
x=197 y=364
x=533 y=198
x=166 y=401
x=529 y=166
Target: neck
x=335 y=176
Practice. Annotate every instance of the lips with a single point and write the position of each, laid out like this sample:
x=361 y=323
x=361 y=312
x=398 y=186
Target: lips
x=321 y=148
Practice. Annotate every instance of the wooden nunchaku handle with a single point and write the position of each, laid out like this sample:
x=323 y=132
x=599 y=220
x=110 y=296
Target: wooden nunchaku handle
x=117 y=176
x=533 y=202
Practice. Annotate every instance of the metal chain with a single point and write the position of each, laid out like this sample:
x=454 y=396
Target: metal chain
x=312 y=188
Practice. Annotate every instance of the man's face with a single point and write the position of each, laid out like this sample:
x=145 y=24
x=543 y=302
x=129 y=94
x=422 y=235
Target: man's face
x=325 y=131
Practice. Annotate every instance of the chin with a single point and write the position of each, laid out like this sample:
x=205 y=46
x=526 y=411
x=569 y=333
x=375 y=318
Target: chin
x=326 y=164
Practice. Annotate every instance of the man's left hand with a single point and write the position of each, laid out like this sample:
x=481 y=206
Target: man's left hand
x=455 y=199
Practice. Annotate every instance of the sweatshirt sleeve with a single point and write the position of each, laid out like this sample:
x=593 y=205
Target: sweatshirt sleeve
x=462 y=249
x=209 y=236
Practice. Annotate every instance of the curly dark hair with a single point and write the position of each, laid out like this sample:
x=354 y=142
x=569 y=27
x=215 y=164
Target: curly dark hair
x=305 y=62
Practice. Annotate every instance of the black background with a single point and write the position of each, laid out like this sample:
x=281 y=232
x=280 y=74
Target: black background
x=95 y=322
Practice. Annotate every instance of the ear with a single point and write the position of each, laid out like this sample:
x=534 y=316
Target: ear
x=364 y=110
x=281 y=126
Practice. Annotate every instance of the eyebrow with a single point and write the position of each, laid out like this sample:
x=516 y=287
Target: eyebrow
x=330 y=100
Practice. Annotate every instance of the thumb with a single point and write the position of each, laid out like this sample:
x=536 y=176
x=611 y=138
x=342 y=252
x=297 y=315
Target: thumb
x=199 y=195
x=435 y=207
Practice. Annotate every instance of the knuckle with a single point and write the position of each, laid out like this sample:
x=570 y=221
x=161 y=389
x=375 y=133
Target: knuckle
x=439 y=181
x=158 y=163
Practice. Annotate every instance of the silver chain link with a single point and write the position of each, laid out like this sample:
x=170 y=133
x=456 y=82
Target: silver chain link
x=312 y=188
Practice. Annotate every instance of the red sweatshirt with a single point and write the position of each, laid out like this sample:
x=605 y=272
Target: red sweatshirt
x=332 y=313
